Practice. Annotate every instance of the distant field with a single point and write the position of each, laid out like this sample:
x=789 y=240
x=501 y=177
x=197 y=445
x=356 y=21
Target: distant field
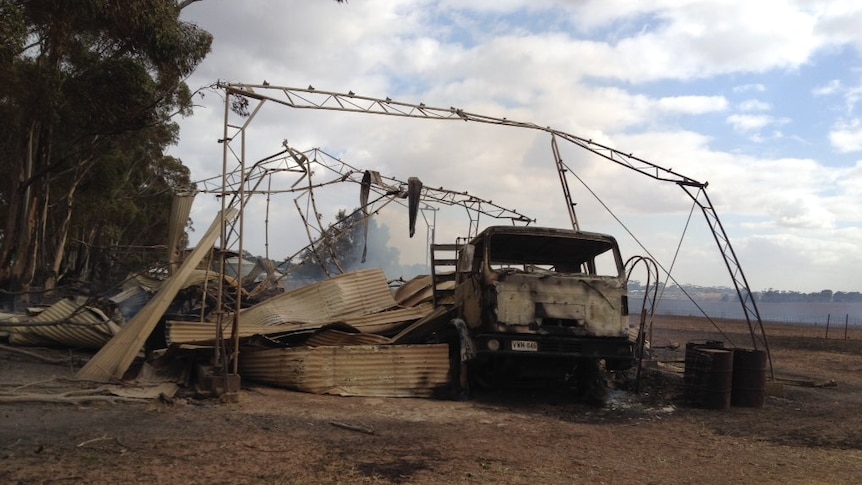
x=814 y=313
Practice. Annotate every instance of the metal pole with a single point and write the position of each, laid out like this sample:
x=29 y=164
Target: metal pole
x=234 y=330
x=218 y=357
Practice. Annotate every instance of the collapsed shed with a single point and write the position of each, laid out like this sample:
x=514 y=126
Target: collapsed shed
x=332 y=337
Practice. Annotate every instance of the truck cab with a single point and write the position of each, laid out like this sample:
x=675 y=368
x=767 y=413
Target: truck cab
x=543 y=299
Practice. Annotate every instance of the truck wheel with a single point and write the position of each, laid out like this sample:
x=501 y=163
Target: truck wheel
x=484 y=374
x=591 y=384
x=618 y=364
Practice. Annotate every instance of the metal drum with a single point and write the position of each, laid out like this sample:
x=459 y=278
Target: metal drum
x=712 y=378
x=690 y=386
x=749 y=378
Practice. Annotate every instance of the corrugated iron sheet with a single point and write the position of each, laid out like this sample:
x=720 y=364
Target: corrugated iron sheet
x=9 y=318
x=389 y=320
x=148 y=283
x=423 y=327
x=365 y=370
x=203 y=333
x=115 y=357
x=80 y=326
x=24 y=337
x=358 y=293
x=330 y=337
x=151 y=285
x=181 y=207
x=232 y=265
x=131 y=300
x=199 y=276
x=412 y=291
x=128 y=292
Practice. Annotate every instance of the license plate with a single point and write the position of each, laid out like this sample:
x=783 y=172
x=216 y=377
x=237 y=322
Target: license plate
x=525 y=345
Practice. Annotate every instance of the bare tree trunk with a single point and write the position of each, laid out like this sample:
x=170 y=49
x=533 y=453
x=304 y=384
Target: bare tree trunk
x=60 y=248
x=24 y=251
x=10 y=236
x=85 y=265
x=63 y=232
x=19 y=218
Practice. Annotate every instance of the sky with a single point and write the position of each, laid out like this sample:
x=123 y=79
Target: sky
x=761 y=100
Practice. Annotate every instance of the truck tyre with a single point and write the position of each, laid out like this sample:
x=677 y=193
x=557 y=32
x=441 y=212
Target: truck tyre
x=591 y=384
x=618 y=364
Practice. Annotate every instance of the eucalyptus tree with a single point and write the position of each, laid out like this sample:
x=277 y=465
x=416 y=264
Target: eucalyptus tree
x=88 y=93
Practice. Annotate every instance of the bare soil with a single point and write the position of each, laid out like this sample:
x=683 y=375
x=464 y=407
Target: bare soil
x=810 y=435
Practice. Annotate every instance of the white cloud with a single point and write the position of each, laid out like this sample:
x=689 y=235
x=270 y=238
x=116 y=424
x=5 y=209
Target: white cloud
x=754 y=105
x=744 y=88
x=693 y=104
x=748 y=123
x=852 y=96
x=698 y=39
x=803 y=212
x=839 y=22
x=832 y=87
x=846 y=137
x=594 y=68
x=805 y=261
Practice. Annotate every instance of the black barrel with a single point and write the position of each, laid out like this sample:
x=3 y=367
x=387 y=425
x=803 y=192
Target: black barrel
x=690 y=387
x=713 y=378
x=749 y=378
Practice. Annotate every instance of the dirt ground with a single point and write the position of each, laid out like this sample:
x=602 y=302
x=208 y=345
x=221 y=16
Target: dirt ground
x=811 y=435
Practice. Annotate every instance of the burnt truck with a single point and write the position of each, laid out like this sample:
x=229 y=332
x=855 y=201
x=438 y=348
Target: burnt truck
x=538 y=303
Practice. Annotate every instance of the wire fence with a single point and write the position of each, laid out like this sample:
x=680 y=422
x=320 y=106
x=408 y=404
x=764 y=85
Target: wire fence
x=818 y=319
x=830 y=326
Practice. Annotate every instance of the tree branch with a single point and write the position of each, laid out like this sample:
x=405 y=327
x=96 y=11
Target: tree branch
x=186 y=3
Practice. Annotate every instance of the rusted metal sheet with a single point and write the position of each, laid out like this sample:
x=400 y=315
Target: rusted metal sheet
x=365 y=370
x=420 y=329
x=115 y=357
x=148 y=283
x=198 y=277
x=77 y=326
x=331 y=337
x=420 y=290
x=7 y=318
x=389 y=320
x=413 y=290
x=151 y=285
x=357 y=293
x=139 y=290
x=24 y=337
x=131 y=300
x=203 y=333
x=181 y=207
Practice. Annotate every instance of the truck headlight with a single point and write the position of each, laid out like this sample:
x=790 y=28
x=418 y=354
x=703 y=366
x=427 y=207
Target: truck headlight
x=493 y=344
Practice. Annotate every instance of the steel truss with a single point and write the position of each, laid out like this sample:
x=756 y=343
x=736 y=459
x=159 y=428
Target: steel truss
x=239 y=98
